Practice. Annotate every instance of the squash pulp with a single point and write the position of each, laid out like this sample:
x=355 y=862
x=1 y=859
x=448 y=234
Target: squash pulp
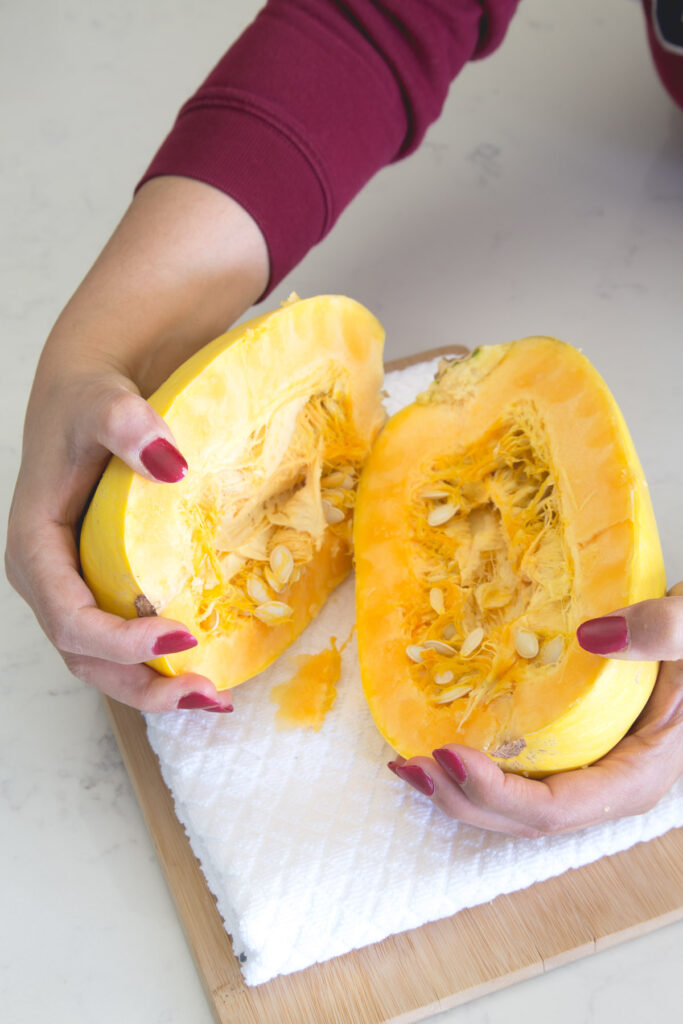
x=503 y=508
x=275 y=419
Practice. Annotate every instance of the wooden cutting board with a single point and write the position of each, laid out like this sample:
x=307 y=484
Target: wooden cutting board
x=452 y=961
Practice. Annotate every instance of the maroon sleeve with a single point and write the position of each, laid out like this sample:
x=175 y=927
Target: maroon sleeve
x=666 y=48
x=314 y=98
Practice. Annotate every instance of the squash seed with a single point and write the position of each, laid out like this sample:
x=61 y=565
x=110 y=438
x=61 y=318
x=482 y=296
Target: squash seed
x=471 y=642
x=281 y=563
x=415 y=652
x=349 y=497
x=444 y=678
x=552 y=650
x=257 y=590
x=526 y=643
x=334 y=495
x=434 y=494
x=448 y=632
x=440 y=514
x=334 y=479
x=452 y=693
x=273 y=612
x=338 y=479
x=440 y=647
x=437 y=601
x=332 y=514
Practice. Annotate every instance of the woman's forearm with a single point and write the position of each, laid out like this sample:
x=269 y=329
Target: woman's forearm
x=185 y=262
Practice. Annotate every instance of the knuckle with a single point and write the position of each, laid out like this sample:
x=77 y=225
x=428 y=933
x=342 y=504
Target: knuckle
x=156 y=704
x=76 y=665
x=527 y=832
x=13 y=548
x=118 y=410
x=672 y=618
x=132 y=640
x=140 y=634
x=658 y=774
x=648 y=804
x=649 y=796
x=80 y=444
x=546 y=823
x=59 y=632
x=10 y=567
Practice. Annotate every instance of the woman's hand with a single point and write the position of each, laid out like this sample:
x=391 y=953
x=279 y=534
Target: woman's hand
x=183 y=264
x=630 y=779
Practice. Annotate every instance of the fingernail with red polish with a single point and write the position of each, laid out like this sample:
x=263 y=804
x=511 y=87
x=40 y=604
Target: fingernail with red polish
x=417 y=777
x=171 y=643
x=604 y=636
x=451 y=764
x=200 y=702
x=164 y=461
x=221 y=709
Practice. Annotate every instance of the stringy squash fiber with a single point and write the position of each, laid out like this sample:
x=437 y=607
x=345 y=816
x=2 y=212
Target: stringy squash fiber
x=498 y=512
x=275 y=419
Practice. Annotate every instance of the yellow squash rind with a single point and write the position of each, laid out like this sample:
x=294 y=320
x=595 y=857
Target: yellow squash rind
x=229 y=407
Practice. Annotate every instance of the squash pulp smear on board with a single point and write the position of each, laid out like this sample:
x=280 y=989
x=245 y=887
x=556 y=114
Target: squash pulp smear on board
x=494 y=515
x=275 y=419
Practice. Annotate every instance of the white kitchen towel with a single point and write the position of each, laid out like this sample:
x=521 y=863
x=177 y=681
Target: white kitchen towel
x=310 y=845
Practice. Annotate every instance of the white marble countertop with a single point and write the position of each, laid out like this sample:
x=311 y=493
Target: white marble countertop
x=548 y=199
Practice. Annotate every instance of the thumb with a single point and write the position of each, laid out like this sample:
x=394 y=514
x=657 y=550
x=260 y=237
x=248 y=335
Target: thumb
x=128 y=426
x=646 y=631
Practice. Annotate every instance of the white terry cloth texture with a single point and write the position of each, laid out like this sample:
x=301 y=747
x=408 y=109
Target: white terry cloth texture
x=309 y=843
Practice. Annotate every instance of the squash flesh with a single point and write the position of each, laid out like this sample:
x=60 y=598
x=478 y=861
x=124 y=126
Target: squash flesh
x=275 y=419
x=552 y=525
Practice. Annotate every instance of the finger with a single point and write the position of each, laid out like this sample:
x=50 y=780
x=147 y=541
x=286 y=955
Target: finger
x=627 y=781
x=429 y=778
x=141 y=687
x=88 y=631
x=125 y=424
x=468 y=786
x=68 y=614
x=647 y=631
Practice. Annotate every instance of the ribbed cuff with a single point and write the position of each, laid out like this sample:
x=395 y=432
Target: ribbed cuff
x=314 y=98
x=229 y=143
